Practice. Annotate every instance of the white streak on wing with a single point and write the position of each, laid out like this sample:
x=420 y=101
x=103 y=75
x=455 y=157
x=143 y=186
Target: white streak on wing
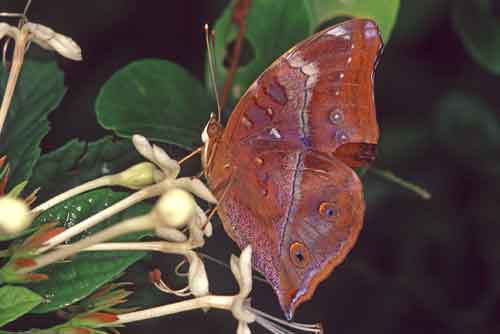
x=296 y=162
x=312 y=72
x=275 y=133
x=297 y=61
x=338 y=31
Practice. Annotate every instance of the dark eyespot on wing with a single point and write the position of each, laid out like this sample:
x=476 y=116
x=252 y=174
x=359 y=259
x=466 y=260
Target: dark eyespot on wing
x=276 y=92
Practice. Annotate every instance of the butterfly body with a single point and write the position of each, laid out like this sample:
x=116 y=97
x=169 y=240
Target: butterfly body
x=281 y=168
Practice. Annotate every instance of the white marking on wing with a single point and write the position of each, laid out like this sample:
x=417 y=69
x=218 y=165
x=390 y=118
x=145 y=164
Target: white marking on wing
x=338 y=31
x=275 y=133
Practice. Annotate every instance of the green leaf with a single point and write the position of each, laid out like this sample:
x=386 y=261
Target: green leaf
x=77 y=162
x=71 y=281
x=287 y=23
x=157 y=99
x=16 y=301
x=479 y=30
x=470 y=118
x=416 y=19
x=384 y=12
x=400 y=136
x=39 y=90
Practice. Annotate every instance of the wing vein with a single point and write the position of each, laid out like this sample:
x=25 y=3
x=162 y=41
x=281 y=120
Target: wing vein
x=297 y=179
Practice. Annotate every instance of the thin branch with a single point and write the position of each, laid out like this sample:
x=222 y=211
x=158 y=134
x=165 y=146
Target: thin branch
x=240 y=13
x=15 y=70
x=390 y=176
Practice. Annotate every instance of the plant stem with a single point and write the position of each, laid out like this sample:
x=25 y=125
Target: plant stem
x=390 y=176
x=239 y=16
x=135 y=224
x=15 y=70
x=5 y=253
x=212 y=301
x=125 y=203
x=180 y=248
x=87 y=186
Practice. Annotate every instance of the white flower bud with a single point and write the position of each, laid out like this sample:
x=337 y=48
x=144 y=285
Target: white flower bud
x=51 y=40
x=143 y=146
x=170 y=234
x=196 y=187
x=246 y=270
x=175 y=208
x=242 y=271
x=235 y=267
x=243 y=328
x=170 y=167
x=7 y=30
x=137 y=176
x=15 y=216
x=208 y=230
x=201 y=217
x=197 y=277
x=196 y=234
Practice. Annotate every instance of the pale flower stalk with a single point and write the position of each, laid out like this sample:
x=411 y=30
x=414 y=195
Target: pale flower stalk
x=242 y=270
x=41 y=35
x=157 y=177
x=238 y=305
x=160 y=216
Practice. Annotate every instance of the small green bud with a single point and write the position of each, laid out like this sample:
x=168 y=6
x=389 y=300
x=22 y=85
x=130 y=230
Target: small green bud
x=137 y=176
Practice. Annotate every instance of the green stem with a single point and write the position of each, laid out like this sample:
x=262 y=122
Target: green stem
x=391 y=177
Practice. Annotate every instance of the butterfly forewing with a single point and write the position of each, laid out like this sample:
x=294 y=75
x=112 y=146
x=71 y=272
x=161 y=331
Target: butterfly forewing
x=318 y=96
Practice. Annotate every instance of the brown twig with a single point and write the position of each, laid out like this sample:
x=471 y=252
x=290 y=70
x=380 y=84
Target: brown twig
x=240 y=13
x=15 y=70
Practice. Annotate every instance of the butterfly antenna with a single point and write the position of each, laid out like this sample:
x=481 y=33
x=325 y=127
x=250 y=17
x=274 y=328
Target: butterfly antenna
x=211 y=65
x=214 y=56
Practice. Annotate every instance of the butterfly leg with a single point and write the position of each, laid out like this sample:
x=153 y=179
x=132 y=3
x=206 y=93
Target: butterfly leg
x=224 y=189
x=190 y=155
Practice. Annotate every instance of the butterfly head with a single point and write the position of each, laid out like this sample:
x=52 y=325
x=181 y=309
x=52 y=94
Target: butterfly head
x=210 y=135
x=211 y=130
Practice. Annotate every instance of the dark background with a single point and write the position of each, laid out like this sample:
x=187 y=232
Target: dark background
x=419 y=266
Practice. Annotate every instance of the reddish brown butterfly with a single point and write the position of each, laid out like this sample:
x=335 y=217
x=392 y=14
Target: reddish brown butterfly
x=282 y=168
